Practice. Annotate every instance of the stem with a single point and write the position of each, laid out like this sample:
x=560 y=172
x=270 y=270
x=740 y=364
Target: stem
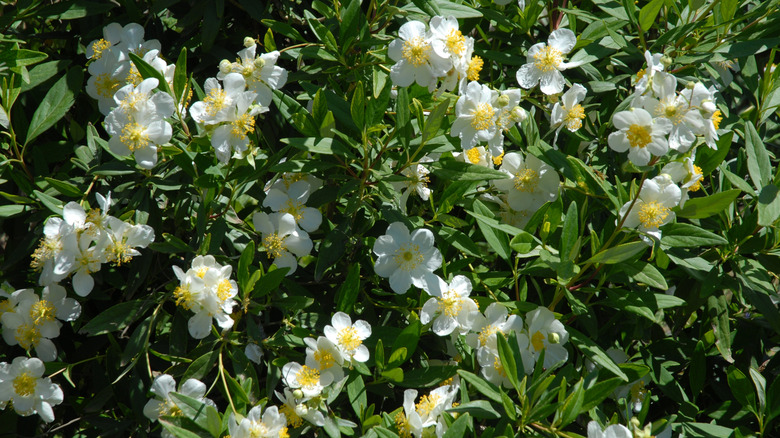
x=224 y=381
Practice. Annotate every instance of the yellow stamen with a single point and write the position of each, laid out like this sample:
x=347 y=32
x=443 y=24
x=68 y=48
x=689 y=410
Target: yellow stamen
x=106 y=86
x=242 y=125
x=416 y=51
x=548 y=59
x=450 y=304
x=98 y=47
x=274 y=245
x=134 y=136
x=46 y=251
x=224 y=288
x=717 y=117
x=475 y=66
x=28 y=336
x=293 y=419
x=403 y=426
x=696 y=173
x=638 y=136
x=215 y=101
x=184 y=297
x=308 y=377
x=348 y=339
x=473 y=155
x=456 y=42
x=24 y=384
x=574 y=117
x=427 y=404
x=483 y=117
x=652 y=214
x=526 y=180
x=408 y=257
x=42 y=311
x=537 y=341
x=324 y=358
x=486 y=333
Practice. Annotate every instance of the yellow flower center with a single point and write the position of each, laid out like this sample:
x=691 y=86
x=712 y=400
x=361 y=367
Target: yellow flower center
x=474 y=67
x=483 y=117
x=183 y=297
x=640 y=74
x=456 y=42
x=27 y=335
x=293 y=419
x=42 y=311
x=672 y=111
x=324 y=358
x=6 y=306
x=274 y=245
x=169 y=409
x=408 y=257
x=415 y=51
x=638 y=136
x=696 y=174
x=526 y=180
x=348 y=339
x=307 y=377
x=242 y=125
x=119 y=252
x=293 y=208
x=537 y=341
x=98 y=47
x=486 y=333
x=134 y=76
x=224 y=288
x=257 y=430
x=473 y=155
x=574 y=116
x=427 y=404
x=548 y=59
x=24 y=384
x=283 y=433
x=134 y=137
x=215 y=102
x=499 y=159
x=290 y=178
x=106 y=86
x=450 y=304
x=717 y=117
x=652 y=214
x=48 y=247
x=638 y=392
x=403 y=426
x=499 y=367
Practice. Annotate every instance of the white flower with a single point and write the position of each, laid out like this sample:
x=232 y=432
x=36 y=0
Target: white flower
x=496 y=320
x=298 y=410
x=207 y=290
x=271 y=424
x=686 y=174
x=645 y=76
x=545 y=62
x=532 y=183
x=348 y=337
x=33 y=322
x=21 y=384
x=477 y=155
x=55 y=256
x=475 y=115
x=640 y=135
x=614 y=431
x=686 y=121
x=451 y=306
x=415 y=59
x=704 y=100
x=415 y=418
x=508 y=113
x=282 y=239
x=163 y=405
x=417 y=182
x=218 y=103
x=309 y=380
x=491 y=367
x=325 y=355
x=653 y=208
x=261 y=73
x=544 y=333
x=407 y=259
x=567 y=111
x=132 y=99
x=125 y=238
x=231 y=136
x=293 y=201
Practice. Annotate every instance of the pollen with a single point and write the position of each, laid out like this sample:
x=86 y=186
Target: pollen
x=224 y=289
x=293 y=208
x=474 y=68
x=456 y=42
x=450 y=304
x=242 y=125
x=408 y=257
x=324 y=358
x=168 y=409
x=27 y=335
x=119 y=253
x=415 y=51
x=293 y=419
x=98 y=47
x=499 y=159
x=215 y=101
x=183 y=297
x=473 y=155
x=274 y=245
x=652 y=214
x=348 y=339
x=574 y=116
x=486 y=333
x=716 y=118
x=640 y=74
x=308 y=377
x=696 y=174
x=258 y=430
x=638 y=136
x=483 y=117
x=106 y=86
x=526 y=180
x=427 y=404
x=537 y=341
x=134 y=137
x=403 y=426
x=499 y=367
x=46 y=251
x=548 y=59
x=134 y=76
x=42 y=311
x=24 y=384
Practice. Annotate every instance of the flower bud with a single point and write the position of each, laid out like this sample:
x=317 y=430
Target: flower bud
x=503 y=100
x=301 y=409
x=249 y=42
x=225 y=66
x=709 y=106
x=259 y=62
x=518 y=114
x=553 y=338
x=690 y=85
x=298 y=394
x=666 y=60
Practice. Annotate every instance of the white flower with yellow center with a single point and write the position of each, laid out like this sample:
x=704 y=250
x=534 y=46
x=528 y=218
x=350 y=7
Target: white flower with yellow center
x=325 y=355
x=163 y=404
x=568 y=112
x=207 y=290
x=491 y=367
x=653 y=208
x=645 y=76
x=686 y=175
x=426 y=413
x=292 y=200
x=532 y=182
x=544 y=333
x=417 y=182
x=259 y=424
x=486 y=327
x=407 y=259
x=297 y=410
x=450 y=307
x=232 y=136
x=685 y=119
x=282 y=239
x=124 y=239
x=613 y=431
x=415 y=59
x=508 y=114
x=639 y=134
x=349 y=337
x=545 y=62
x=138 y=135
x=476 y=115
x=22 y=385
x=703 y=99
x=216 y=106
x=55 y=256
x=261 y=73
x=309 y=380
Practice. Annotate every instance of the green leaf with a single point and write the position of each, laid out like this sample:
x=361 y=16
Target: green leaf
x=741 y=388
x=244 y=263
x=171 y=244
x=434 y=120
x=403 y=117
x=681 y=235
x=645 y=273
x=486 y=388
x=182 y=427
x=428 y=376
x=599 y=391
x=75 y=9
x=759 y=381
x=348 y=292
x=20 y=58
x=453 y=170
x=718 y=310
x=706 y=430
x=759 y=167
x=768 y=205
x=595 y=353
x=321 y=32
x=65 y=188
x=495 y=237
x=180 y=74
x=55 y=104
x=358 y=106
x=202 y=414
x=458 y=428
x=727 y=9
x=427 y=6
x=508 y=360
x=356 y=391
x=700 y=208
x=618 y=254
x=115 y=318
x=147 y=71
x=648 y=13
x=478 y=409
x=284 y=29
x=408 y=338
x=708 y=159
x=572 y=405
x=326 y=146
x=570 y=234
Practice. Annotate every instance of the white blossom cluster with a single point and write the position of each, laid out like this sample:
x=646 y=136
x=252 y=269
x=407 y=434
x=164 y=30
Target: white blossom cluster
x=23 y=386
x=241 y=90
x=425 y=418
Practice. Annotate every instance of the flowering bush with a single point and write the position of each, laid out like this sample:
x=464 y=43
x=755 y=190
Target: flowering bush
x=365 y=218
